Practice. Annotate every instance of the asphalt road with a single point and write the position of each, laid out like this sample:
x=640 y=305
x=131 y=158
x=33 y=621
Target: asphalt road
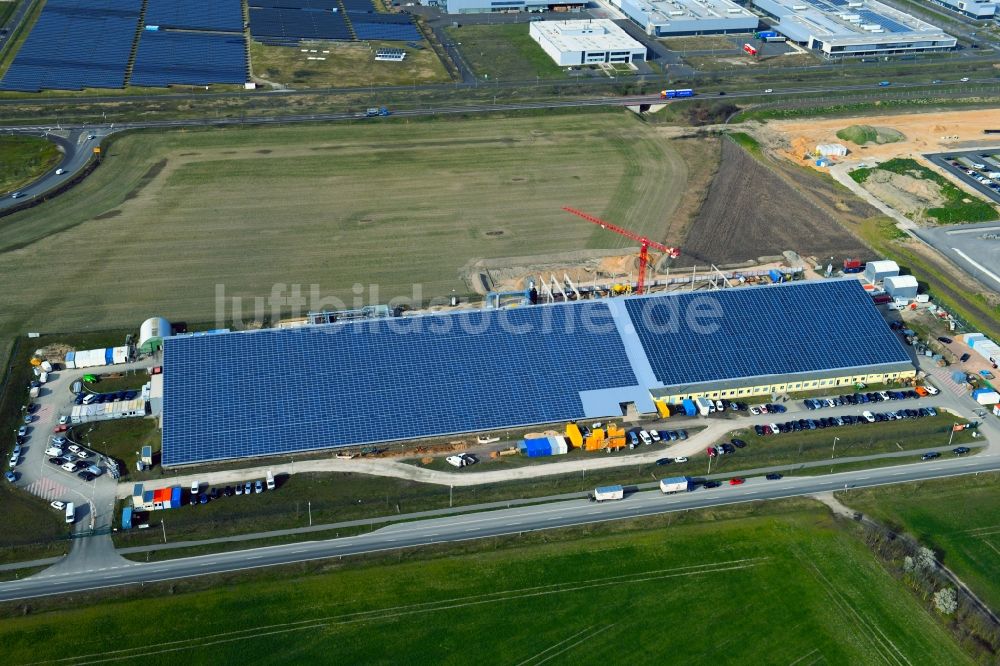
x=483 y=525
x=78 y=145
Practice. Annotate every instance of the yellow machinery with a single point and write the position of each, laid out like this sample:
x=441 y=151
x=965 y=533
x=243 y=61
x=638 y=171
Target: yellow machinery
x=574 y=435
x=662 y=409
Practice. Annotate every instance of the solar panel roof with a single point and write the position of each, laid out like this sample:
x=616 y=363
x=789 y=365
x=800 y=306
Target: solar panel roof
x=278 y=391
x=192 y=58
x=761 y=331
x=221 y=15
x=884 y=21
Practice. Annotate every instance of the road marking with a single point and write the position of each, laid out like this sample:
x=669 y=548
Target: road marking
x=255 y=557
x=976 y=264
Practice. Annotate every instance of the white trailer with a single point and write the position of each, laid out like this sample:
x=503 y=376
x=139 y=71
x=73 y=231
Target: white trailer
x=606 y=493
x=705 y=406
x=676 y=484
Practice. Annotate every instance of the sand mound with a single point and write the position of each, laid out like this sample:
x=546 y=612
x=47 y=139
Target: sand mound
x=861 y=135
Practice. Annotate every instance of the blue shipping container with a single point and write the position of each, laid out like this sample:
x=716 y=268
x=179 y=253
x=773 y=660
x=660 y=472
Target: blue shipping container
x=109 y=356
x=689 y=408
x=536 y=447
x=175 y=497
x=776 y=275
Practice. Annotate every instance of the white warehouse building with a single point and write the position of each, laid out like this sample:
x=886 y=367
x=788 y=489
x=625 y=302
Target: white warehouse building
x=977 y=9
x=839 y=28
x=663 y=18
x=587 y=42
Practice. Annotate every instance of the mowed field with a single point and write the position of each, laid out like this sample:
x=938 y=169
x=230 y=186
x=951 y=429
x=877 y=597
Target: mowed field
x=959 y=518
x=169 y=216
x=787 y=586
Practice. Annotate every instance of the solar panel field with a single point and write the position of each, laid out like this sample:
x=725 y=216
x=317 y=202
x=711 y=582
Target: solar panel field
x=168 y=216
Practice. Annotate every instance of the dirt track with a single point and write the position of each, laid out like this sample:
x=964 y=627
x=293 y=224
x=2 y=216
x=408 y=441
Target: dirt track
x=751 y=212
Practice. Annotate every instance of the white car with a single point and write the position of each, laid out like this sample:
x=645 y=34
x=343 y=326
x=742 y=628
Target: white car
x=194 y=486
x=63 y=420
x=22 y=431
x=868 y=416
x=933 y=390
x=884 y=395
x=755 y=411
x=644 y=436
x=682 y=459
x=719 y=407
x=69 y=467
x=964 y=79
x=655 y=435
x=60 y=172
x=769 y=90
x=59 y=440
x=53 y=451
x=75 y=448
x=58 y=505
x=455 y=461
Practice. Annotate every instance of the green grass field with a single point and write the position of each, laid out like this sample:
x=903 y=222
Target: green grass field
x=505 y=52
x=168 y=216
x=956 y=517
x=23 y=159
x=769 y=584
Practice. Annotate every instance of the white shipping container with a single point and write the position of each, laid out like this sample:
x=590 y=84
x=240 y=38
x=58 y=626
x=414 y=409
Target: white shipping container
x=74 y=415
x=44 y=377
x=120 y=355
x=989 y=398
x=46 y=366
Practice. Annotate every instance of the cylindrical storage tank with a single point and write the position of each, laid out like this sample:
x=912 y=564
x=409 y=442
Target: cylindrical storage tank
x=151 y=334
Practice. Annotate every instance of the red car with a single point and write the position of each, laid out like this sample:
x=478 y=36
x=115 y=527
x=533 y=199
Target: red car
x=767 y=430
x=736 y=481
x=710 y=451
x=61 y=428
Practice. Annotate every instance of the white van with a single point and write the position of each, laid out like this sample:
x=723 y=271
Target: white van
x=70 y=513
x=89 y=398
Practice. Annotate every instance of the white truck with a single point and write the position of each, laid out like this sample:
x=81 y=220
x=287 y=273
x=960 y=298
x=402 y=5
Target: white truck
x=270 y=480
x=606 y=493
x=675 y=484
x=705 y=406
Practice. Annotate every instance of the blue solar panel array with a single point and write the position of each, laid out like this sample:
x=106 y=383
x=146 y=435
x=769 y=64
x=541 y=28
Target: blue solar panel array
x=287 y=21
x=761 y=331
x=76 y=44
x=291 y=25
x=885 y=22
x=218 y=15
x=192 y=58
x=279 y=391
x=386 y=31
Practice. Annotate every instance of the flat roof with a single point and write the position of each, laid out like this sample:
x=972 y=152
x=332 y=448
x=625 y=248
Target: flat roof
x=855 y=21
x=280 y=391
x=586 y=35
x=666 y=11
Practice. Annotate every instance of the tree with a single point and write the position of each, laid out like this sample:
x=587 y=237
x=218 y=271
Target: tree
x=926 y=559
x=946 y=600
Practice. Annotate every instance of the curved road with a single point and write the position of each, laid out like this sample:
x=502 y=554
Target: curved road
x=78 y=144
x=487 y=524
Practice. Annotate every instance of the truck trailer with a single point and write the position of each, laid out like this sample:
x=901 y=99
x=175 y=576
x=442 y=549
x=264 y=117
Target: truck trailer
x=606 y=493
x=676 y=484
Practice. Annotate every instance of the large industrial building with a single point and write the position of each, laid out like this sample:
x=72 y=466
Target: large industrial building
x=281 y=391
x=586 y=42
x=503 y=6
x=840 y=28
x=664 y=18
x=977 y=9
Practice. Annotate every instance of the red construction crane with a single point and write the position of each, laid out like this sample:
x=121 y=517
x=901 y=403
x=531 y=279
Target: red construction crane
x=644 y=244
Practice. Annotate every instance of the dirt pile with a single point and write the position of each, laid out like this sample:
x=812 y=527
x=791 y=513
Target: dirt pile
x=909 y=195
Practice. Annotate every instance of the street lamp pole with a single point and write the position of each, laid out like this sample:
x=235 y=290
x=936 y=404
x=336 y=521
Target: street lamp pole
x=951 y=435
x=834 y=452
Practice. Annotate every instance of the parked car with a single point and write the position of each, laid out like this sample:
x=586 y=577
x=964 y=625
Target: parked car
x=710 y=451
x=682 y=459
x=930 y=455
x=10 y=476
x=868 y=416
x=258 y=487
x=239 y=488
x=644 y=436
x=664 y=461
x=57 y=461
x=945 y=340
x=228 y=491
x=86 y=476
x=58 y=505
x=964 y=358
x=654 y=435
x=246 y=488
x=773 y=476
x=738 y=443
x=682 y=434
x=960 y=450
x=736 y=481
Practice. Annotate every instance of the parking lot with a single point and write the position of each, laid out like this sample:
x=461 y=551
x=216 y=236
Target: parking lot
x=979 y=169
x=974 y=247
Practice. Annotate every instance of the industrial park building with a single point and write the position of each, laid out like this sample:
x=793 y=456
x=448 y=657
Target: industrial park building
x=663 y=18
x=977 y=9
x=841 y=28
x=586 y=42
x=361 y=383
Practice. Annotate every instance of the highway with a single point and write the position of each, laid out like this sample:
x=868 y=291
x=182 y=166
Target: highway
x=78 y=146
x=486 y=524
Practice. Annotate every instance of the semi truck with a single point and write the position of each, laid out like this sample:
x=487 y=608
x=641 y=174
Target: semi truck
x=676 y=484
x=673 y=94
x=606 y=493
x=374 y=111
